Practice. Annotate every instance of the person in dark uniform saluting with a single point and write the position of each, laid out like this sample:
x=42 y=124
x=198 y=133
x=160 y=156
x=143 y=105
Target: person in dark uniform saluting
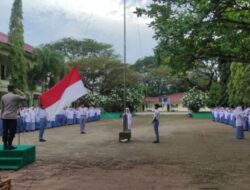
x=9 y=105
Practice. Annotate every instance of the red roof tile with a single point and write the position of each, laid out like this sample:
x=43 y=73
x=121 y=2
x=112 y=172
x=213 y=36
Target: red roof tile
x=4 y=39
x=152 y=99
x=176 y=97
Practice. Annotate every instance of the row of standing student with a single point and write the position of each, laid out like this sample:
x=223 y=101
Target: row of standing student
x=237 y=118
x=35 y=118
x=28 y=119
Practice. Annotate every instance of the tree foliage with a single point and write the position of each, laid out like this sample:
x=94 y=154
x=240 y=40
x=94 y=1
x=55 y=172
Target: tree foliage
x=17 y=66
x=238 y=86
x=214 y=96
x=158 y=79
x=74 y=49
x=201 y=31
x=48 y=70
x=102 y=74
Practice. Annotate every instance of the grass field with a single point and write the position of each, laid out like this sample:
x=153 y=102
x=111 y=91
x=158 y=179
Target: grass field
x=193 y=154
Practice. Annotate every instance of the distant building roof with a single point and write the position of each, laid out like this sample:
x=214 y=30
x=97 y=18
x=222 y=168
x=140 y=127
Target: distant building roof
x=152 y=99
x=176 y=97
x=4 y=39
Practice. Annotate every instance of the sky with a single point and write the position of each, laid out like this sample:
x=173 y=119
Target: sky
x=46 y=21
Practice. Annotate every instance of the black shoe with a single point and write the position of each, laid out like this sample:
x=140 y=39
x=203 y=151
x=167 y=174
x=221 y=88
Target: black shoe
x=83 y=132
x=156 y=142
x=42 y=140
x=11 y=147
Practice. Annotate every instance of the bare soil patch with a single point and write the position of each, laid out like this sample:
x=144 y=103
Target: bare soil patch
x=193 y=154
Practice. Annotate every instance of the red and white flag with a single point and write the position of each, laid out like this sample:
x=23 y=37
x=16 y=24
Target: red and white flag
x=69 y=89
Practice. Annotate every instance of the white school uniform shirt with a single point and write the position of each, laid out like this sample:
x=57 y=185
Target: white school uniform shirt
x=91 y=112
x=239 y=115
x=83 y=112
x=42 y=114
x=129 y=120
x=36 y=109
x=27 y=117
x=98 y=111
x=74 y=111
x=230 y=115
x=157 y=114
x=217 y=116
x=78 y=113
x=32 y=115
x=61 y=112
x=226 y=114
x=70 y=114
x=221 y=113
x=22 y=112
x=64 y=112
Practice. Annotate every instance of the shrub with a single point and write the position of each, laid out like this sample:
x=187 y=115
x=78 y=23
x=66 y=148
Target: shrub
x=194 y=100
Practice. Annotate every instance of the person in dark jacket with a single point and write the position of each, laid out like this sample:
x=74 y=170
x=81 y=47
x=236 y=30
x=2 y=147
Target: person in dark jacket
x=9 y=106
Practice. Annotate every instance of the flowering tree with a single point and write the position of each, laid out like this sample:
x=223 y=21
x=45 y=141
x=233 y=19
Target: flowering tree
x=114 y=101
x=94 y=99
x=194 y=100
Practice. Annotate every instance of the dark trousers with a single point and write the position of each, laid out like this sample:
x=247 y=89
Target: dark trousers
x=156 y=129
x=9 y=131
x=43 y=123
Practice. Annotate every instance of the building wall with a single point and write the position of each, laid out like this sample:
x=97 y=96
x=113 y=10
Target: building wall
x=173 y=107
x=4 y=73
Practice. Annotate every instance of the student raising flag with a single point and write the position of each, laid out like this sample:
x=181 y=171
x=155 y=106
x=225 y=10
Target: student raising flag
x=69 y=89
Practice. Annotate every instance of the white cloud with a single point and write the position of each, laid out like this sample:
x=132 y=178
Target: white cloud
x=105 y=9
x=101 y=20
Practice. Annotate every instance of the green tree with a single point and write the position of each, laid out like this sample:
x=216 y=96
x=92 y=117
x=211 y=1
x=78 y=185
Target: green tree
x=74 y=49
x=145 y=64
x=195 y=31
x=48 y=70
x=17 y=66
x=214 y=95
x=102 y=74
x=158 y=79
x=238 y=86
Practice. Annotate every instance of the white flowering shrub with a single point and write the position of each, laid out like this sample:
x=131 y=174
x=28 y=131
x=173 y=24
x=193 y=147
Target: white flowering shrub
x=94 y=99
x=194 y=100
x=114 y=101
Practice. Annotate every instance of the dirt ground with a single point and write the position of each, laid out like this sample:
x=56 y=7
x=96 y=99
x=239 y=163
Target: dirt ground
x=193 y=154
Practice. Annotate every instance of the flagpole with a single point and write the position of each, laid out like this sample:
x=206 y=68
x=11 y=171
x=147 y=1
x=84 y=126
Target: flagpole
x=124 y=58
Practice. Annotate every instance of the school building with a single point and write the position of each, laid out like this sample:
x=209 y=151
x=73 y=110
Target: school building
x=170 y=103
x=4 y=74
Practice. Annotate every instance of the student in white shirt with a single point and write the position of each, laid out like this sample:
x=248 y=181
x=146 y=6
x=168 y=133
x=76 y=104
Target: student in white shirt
x=70 y=116
x=33 y=118
x=239 y=115
x=27 y=120
x=155 y=123
x=129 y=119
x=83 y=119
x=42 y=116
